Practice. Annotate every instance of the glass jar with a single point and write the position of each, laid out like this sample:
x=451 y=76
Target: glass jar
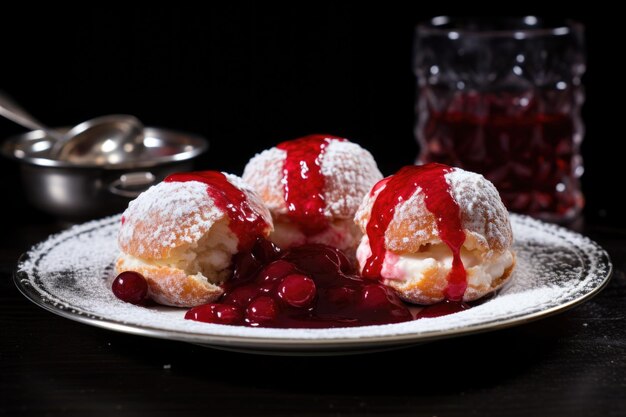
x=503 y=98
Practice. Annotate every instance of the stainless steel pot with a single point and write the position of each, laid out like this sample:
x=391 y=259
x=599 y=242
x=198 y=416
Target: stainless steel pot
x=90 y=190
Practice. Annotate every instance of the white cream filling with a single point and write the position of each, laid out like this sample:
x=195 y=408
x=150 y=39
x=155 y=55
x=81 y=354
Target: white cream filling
x=481 y=270
x=342 y=234
x=207 y=259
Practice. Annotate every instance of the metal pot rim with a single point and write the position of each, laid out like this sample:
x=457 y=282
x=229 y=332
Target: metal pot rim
x=191 y=145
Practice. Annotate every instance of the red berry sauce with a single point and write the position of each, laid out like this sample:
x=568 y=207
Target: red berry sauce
x=215 y=313
x=304 y=182
x=439 y=201
x=310 y=286
x=245 y=222
x=441 y=309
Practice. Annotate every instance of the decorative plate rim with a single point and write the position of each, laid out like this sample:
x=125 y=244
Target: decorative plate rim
x=23 y=282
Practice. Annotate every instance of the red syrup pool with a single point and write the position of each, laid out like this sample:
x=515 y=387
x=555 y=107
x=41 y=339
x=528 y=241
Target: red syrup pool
x=441 y=309
x=277 y=294
x=310 y=286
x=438 y=199
x=303 y=182
x=245 y=222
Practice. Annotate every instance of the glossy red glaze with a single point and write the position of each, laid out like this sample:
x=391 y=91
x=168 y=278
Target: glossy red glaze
x=215 y=313
x=245 y=222
x=297 y=290
x=439 y=201
x=441 y=309
x=304 y=182
x=261 y=310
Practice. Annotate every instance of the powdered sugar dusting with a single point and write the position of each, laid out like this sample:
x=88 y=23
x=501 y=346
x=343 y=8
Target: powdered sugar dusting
x=411 y=217
x=72 y=271
x=349 y=172
x=176 y=214
x=165 y=216
x=264 y=173
x=482 y=210
x=482 y=214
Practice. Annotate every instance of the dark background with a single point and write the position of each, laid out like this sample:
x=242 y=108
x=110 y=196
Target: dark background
x=248 y=75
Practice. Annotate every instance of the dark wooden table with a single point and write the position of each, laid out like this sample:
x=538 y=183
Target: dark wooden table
x=568 y=365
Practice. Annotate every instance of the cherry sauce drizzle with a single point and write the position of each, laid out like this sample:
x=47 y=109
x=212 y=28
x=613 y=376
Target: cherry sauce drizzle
x=303 y=182
x=439 y=201
x=245 y=222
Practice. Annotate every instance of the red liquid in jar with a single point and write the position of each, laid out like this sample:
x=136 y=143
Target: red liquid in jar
x=311 y=286
x=304 y=182
x=529 y=154
x=438 y=200
x=245 y=222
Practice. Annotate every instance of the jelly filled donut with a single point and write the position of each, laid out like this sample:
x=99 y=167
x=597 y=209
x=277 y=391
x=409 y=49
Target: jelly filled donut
x=313 y=187
x=181 y=234
x=433 y=232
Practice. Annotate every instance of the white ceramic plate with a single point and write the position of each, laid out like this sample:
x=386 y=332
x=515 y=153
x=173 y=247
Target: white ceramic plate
x=70 y=275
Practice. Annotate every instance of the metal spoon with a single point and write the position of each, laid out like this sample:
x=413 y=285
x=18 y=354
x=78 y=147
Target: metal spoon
x=100 y=141
x=12 y=111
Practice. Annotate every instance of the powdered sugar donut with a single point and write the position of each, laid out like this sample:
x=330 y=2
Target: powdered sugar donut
x=434 y=232
x=313 y=187
x=182 y=233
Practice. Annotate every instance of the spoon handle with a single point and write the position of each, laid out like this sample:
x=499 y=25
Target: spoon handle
x=14 y=112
